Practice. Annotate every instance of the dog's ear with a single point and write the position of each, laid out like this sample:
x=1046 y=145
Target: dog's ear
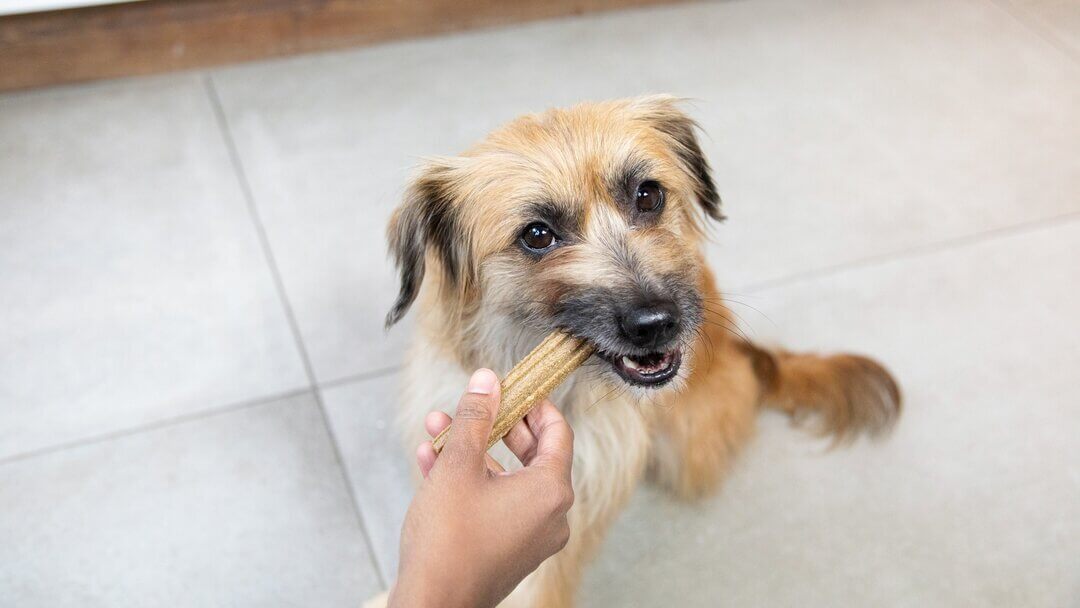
x=426 y=218
x=663 y=112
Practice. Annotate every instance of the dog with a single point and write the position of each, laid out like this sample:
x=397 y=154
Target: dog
x=591 y=219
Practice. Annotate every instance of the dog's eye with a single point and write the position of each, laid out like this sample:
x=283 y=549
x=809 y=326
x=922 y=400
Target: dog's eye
x=650 y=197
x=537 y=237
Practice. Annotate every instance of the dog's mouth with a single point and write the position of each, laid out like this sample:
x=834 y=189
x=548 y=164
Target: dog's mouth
x=651 y=370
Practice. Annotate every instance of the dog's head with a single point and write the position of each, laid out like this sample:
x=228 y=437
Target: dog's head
x=587 y=219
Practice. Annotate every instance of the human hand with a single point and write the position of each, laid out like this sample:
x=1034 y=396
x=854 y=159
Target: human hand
x=474 y=531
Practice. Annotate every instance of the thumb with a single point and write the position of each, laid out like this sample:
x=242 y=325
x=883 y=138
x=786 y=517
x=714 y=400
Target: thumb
x=474 y=418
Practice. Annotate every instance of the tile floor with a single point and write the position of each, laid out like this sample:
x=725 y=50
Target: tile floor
x=196 y=393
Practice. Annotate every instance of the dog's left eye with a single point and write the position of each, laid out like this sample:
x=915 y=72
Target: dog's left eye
x=650 y=196
x=537 y=237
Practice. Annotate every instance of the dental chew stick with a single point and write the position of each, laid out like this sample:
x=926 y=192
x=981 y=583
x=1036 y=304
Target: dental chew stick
x=532 y=379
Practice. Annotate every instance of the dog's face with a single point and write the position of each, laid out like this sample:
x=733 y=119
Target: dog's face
x=587 y=219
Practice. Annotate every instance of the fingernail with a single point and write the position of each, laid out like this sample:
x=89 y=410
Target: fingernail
x=483 y=382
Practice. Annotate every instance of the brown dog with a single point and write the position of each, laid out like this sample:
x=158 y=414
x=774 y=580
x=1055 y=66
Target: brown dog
x=591 y=219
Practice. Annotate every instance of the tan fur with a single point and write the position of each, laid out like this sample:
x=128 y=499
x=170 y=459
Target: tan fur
x=483 y=303
x=847 y=393
x=709 y=420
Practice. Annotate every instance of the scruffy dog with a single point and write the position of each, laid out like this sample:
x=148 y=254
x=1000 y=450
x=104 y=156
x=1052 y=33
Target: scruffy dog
x=591 y=219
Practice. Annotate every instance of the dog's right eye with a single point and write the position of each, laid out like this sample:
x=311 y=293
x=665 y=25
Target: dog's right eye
x=537 y=237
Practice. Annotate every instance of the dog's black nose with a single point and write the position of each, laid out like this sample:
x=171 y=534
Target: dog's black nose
x=651 y=326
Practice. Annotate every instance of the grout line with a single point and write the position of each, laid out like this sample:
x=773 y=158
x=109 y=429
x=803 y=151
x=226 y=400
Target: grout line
x=968 y=240
x=382 y=372
x=157 y=424
x=1029 y=21
x=294 y=326
x=372 y=555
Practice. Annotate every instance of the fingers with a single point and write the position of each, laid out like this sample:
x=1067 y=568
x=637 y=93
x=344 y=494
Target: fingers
x=474 y=418
x=435 y=422
x=546 y=478
x=554 y=439
x=425 y=458
x=521 y=441
x=543 y=438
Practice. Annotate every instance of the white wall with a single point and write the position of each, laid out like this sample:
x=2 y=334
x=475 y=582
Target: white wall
x=9 y=7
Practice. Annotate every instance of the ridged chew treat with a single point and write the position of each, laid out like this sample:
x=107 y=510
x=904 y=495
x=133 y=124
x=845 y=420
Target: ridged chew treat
x=532 y=379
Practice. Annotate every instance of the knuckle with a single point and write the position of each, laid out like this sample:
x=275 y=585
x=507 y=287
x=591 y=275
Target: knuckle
x=568 y=500
x=562 y=498
x=453 y=458
x=562 y=538
x=472 y=409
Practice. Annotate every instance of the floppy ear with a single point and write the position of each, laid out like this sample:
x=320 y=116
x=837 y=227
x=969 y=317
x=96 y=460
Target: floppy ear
x=663 y=112
x=425 y=219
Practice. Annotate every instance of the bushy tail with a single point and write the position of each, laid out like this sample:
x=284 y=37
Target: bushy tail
x=842 y=395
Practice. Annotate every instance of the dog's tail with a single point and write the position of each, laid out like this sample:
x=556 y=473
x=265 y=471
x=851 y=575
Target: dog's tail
x=841 y=395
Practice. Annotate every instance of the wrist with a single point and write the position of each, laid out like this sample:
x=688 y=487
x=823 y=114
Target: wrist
x=426 y=588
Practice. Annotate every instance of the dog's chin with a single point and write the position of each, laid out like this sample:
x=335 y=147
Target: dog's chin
x=651 y=370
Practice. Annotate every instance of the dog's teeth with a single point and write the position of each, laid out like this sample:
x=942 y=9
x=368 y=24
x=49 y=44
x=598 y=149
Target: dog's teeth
x=628 y=362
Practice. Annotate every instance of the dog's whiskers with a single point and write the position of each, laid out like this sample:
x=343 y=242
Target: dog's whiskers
x=726 y=300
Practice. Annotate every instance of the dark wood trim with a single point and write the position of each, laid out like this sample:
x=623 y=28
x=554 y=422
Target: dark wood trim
x=162 y=35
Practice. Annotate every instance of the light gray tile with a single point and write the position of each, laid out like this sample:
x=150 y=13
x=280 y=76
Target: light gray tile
x=975 y=499
x=1060 y=18
x=362 y=416
x=838 y=130
x=246 y=508
x=882 y=126
x=132 y=286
